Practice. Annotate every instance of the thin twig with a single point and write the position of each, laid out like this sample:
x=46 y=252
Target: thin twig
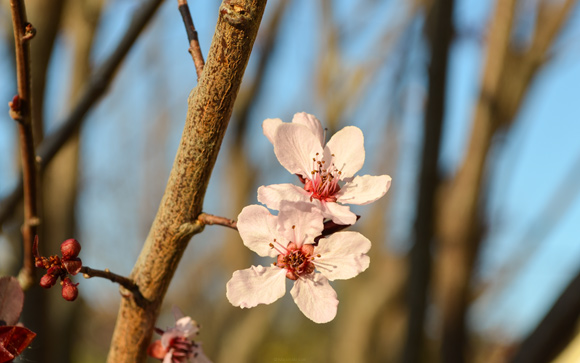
x=21 y=112
x=93 y=91
x=106 y=274
x=194 y=48
x=210 y=219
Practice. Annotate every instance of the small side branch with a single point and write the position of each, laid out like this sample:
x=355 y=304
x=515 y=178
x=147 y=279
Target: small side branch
x=194 y=48
x=20 y=111
x=210 y=219
x=113 y=277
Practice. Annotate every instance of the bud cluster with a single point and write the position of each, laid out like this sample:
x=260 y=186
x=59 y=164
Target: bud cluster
x=60 y=267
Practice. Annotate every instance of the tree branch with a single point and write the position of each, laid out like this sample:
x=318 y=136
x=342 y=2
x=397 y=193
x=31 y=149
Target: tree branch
x=93 y=91
x=126 y=282
x=210 y=219
x=209 y=109
x=194 y=48
x=20 y=110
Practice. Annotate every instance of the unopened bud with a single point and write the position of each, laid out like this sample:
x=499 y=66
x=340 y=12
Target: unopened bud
x=69 y=290
x=47 y=281
x=70 y=249
x=73 y=266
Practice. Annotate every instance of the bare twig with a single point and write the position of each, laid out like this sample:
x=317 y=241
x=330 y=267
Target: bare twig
x=126 y=282
x=21 y=112
x=93 y=91
x=194 y=48
x=210 y=219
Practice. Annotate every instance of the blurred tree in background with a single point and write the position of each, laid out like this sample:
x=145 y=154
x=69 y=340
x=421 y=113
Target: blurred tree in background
x=471 y=107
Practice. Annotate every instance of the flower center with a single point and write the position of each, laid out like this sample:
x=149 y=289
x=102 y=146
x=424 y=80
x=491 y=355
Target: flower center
x=323 y=184
x=297 y=261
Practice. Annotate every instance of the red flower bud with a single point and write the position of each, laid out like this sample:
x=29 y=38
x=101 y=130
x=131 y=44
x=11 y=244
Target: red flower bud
x=73 y=266
x=47 y=281
x=70 y=249
x=69 y=290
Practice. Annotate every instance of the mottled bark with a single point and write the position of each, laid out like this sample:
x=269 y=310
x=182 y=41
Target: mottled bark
x=209 y=108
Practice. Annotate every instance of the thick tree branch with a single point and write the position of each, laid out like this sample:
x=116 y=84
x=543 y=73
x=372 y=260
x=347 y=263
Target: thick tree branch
x=20 y=110
x=93 y=91
x=194 y=48
x=209 y=109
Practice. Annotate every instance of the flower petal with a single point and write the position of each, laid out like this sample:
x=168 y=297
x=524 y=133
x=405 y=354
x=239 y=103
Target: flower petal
x=364 y=189
x=300 y=222
x=258 y=228
x=315 y=298
x=295 y=146
x=272 y=195
x=156 y=350
x=313 y=124
x=347 y=145
x=342 y=255
x=340 y=214
x=256 y=285
x=269 y=127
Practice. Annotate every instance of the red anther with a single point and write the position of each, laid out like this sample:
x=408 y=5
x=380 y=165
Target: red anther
x=70 y=249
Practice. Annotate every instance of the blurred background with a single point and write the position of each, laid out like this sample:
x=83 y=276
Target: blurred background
x=471 y=106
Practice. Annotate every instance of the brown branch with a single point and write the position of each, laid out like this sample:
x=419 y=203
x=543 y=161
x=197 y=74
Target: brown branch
x=126 y=282
x=210 y=219
x=210 y=106
x=194 y=48
x=20 y=110
x=441 y=37
x=93 y=91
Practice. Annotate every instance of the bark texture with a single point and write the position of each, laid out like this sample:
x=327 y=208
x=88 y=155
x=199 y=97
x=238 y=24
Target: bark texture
x=209 y=109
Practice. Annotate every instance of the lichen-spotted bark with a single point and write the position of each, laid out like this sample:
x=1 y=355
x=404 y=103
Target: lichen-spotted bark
x=210 y=106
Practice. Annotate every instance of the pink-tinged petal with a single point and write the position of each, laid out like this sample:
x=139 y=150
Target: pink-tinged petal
x=272 y=195
x=269 y=127
x=295 y=147
x=364 y=189
x=258 y=228
x=342 y=255
x=300 y=222
x=313 y=124
x=315 y=298
x=168 y=357
x=347 y=145
x=340 y=214
x=256 y=285
x=157 y=350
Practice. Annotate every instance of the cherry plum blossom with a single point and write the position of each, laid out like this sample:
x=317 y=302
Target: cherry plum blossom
x=327 y=171
x=289 y=237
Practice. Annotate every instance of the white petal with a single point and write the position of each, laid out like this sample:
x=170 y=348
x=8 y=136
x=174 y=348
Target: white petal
x=347 y=145
x=315 y=298
x=340 y=214
x=256 y=285
x=295 y=147
x=310 y=121
x=258 y=228
x=300 y=222
x=272 y=195
x=364 y=189
x=269 y=127
x=342 y=255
